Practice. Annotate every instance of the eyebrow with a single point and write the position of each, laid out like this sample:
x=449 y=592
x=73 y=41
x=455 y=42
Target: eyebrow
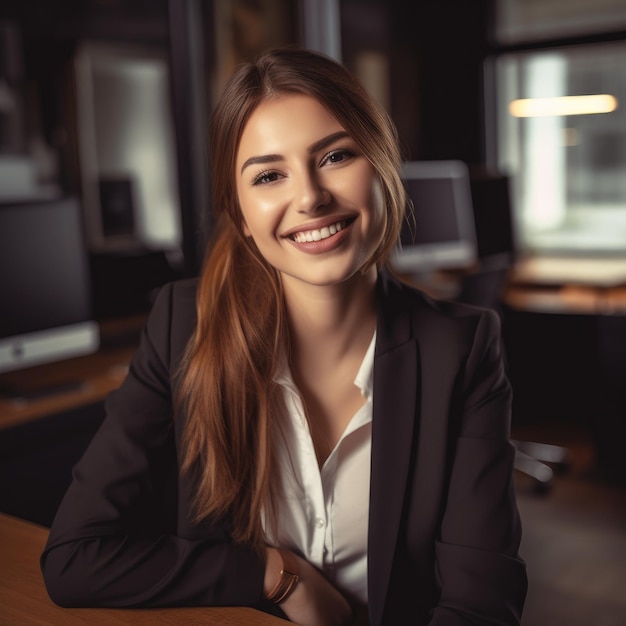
x=314 y=147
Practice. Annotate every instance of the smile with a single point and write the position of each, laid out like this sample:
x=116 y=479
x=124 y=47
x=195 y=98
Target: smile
x=317 y=235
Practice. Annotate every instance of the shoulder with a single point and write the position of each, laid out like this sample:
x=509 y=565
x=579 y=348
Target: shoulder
x=172 y=318
x=397 y=297
x=179 y=292
x=443 y=323
x=175 y=298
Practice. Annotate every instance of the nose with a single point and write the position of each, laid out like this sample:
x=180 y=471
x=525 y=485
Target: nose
x=310 y=194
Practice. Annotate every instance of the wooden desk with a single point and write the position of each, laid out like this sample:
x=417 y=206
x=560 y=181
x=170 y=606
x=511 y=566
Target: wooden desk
x=567 y=299
x=98 y=374
x=587 y=271
x=579 y=286
x=24 y=600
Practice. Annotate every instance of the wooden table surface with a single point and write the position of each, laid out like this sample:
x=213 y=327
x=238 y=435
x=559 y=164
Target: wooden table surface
x=98 y=374
x=25 y=602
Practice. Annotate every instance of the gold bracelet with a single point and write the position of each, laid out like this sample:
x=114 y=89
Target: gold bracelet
x=288 y=580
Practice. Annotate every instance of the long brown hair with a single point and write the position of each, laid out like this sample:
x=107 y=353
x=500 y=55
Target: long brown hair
x=226 y=378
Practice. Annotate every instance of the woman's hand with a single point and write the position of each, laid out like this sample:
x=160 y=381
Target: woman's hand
x=314 y=601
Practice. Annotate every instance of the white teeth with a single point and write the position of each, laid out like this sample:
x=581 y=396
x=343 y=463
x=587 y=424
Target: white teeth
x=318 y=235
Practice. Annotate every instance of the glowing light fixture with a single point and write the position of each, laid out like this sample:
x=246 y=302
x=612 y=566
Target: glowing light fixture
x=563 y=105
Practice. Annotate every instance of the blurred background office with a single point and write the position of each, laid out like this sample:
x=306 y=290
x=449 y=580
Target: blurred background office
x=104 y=106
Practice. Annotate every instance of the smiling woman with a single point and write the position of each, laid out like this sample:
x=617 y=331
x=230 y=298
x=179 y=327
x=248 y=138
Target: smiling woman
x=319 y=182
x=299 y=431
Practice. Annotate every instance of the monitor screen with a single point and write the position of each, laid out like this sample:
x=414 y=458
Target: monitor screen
x=45 y=310
x=439 y=233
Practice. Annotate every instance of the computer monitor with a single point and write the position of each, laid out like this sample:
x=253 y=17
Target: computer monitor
x=493 y=216
x=45 y=307
x=439 y=233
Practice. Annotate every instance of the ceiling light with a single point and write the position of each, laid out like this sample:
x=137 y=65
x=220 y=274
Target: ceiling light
x=563 y=105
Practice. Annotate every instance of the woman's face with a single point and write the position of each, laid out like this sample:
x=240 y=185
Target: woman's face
x=309 y=198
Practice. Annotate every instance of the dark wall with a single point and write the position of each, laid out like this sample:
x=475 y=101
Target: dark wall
x=437 y=76
x=436 y=52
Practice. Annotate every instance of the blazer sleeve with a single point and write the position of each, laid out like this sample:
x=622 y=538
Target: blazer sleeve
x=481 y=576
x=107 y=545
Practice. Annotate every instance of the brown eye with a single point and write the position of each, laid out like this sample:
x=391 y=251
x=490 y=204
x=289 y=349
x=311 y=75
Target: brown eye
x=264 y=178
x=337 y=156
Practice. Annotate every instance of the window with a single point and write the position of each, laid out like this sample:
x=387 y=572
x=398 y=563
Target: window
x=561 y=134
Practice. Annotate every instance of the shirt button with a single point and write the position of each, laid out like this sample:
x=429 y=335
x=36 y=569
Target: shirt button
x=319 y=522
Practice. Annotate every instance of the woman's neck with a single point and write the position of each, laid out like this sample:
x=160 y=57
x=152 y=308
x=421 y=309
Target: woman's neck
x=331 y=329
x=331 y=323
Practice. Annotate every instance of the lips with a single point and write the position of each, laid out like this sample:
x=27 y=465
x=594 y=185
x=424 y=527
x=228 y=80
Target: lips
x=319 y=234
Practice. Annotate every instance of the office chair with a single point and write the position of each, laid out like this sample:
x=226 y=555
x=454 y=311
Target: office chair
x=485 y=285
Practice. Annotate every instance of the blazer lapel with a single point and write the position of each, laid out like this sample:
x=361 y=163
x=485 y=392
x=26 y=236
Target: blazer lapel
x=396 y=390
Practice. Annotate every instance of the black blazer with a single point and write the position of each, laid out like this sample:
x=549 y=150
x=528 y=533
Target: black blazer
x=444 y=529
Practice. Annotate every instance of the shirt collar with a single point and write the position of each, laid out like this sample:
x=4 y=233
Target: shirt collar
x=364 y=379
x=365 y=376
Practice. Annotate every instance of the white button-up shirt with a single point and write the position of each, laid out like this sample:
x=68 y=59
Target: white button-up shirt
x=323 y=513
